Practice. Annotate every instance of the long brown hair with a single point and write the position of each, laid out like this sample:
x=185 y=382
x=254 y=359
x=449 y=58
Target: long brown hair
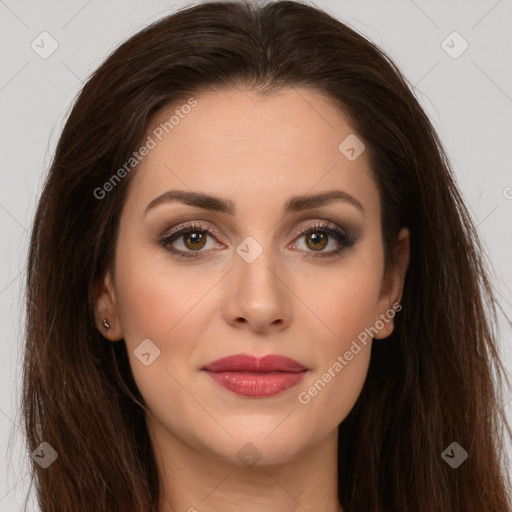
x=436 y=380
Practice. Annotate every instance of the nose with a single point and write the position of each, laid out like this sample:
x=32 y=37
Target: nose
x=257 y=294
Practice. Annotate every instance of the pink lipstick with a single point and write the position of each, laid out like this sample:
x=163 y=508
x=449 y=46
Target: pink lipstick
x=256 y=377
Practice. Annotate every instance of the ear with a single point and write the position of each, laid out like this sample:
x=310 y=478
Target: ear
x=393 y=284
x=105 y=307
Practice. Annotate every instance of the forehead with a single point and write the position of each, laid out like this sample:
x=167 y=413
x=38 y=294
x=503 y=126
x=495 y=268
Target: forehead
x=261 y=148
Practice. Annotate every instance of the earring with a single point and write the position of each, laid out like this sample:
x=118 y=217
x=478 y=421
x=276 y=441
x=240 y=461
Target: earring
x=106 y=324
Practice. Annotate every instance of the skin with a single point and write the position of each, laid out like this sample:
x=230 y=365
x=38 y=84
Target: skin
x=256 y=152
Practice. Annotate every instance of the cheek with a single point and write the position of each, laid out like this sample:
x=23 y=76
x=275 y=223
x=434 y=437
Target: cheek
x=164 y=304
x=343 y=356
x=150 y=309
x=330 y=394
x=153 y=296
x=345 y=307
x=342 y=303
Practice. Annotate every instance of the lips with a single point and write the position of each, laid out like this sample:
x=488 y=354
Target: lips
x=256 y=377
x=246 y=363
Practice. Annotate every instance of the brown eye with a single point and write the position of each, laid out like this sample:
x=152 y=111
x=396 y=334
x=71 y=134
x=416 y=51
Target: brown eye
x=188 y=241
x=318 y=236
x=194 y=240
x=318 y=241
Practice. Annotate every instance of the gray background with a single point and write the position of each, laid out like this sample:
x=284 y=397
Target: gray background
x=468 y=99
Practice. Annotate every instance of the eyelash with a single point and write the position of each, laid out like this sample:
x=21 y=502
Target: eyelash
x=341 y=236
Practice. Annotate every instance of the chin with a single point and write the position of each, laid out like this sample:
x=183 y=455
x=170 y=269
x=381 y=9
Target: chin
x=248 y=449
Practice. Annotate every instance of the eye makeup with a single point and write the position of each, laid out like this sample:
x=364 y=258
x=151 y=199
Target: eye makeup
x=197 y=233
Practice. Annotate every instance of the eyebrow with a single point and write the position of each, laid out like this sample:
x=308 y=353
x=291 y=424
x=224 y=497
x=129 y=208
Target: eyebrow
x=218 y=204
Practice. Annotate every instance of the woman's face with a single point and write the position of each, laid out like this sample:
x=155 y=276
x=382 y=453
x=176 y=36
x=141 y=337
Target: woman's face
x=255 y=284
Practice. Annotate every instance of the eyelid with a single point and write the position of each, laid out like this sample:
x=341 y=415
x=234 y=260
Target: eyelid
x=344 y=238
x=168 y=232
x=324 y=224
x=207 y=226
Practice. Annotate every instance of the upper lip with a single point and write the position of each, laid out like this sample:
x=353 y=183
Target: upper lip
x=248 y=363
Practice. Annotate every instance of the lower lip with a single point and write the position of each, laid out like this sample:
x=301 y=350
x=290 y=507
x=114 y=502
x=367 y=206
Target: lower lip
x=257 y=384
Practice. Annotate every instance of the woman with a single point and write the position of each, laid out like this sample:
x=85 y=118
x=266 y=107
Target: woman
x=253 y=284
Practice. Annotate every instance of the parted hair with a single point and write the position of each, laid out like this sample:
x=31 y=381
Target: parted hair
x=436 y=379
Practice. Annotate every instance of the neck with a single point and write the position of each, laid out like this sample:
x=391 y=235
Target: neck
x=196 y=480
